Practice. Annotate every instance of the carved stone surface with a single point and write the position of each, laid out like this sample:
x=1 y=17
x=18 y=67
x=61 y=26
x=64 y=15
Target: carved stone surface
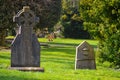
x=25 y=48
x=85 y=58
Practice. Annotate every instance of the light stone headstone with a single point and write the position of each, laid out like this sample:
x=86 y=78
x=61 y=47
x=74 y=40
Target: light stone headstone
x=85 y=58
x=25 y=48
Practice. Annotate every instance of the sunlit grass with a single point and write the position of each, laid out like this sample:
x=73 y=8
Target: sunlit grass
x=10 y=37
x=58 y=63
x=69 y=41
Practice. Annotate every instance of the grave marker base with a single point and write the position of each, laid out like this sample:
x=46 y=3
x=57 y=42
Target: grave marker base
x=27 y=69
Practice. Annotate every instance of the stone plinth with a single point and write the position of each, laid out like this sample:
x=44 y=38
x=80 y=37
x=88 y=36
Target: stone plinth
x=28 y=69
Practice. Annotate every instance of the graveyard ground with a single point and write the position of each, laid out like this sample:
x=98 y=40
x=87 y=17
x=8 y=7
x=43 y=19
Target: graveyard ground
x=58 y=59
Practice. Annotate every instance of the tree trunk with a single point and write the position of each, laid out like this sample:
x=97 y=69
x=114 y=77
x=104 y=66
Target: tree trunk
x=2 y=37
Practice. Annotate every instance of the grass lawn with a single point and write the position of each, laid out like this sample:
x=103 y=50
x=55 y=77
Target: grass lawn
x=58 y=61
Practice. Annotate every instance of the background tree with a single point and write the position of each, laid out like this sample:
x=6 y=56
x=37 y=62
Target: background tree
x=71 y=20
x=5 y=19
x=47 y=10
x=102 y=19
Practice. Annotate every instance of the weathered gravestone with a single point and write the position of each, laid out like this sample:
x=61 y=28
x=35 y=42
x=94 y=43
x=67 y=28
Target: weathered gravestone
x=25 y=48
x=85 y=58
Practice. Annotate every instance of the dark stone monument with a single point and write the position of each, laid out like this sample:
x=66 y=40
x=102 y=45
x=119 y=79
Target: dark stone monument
x=85 y=58
x=25 y=48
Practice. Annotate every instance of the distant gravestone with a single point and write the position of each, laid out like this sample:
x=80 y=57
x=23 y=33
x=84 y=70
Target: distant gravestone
x=25 y=48
x=85 y=58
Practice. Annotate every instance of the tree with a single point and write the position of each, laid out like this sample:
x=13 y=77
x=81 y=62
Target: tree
x=5 y=19
x=71 y=20
x=102 y=19
x=47 y=10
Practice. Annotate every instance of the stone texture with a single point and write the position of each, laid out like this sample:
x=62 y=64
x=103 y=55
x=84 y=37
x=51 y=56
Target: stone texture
x=85 y=58
x=25 y=48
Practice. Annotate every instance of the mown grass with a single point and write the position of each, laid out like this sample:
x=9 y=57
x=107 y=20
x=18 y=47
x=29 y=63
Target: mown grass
x=58 y=62
x=68 y=41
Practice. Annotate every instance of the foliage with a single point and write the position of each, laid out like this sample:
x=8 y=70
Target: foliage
x=5 y=19
x=102 y=19
x=47 y=10
x=72 y=22
x=58 y=63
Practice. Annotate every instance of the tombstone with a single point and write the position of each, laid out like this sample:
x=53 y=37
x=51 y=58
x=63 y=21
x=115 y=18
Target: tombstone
x=85 y=58
x=25 y=48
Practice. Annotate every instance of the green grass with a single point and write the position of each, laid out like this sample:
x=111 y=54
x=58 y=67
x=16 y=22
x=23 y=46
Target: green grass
x=58 y=62
x=68 y=42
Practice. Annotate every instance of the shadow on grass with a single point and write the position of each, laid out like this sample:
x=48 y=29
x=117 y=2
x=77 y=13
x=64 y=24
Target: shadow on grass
x=66 y=44
x=59 y=50
x=4 y=57
x=14 y=78
x=63 y=44
x=59 y=55
x=10 y=78
x=58 y=60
